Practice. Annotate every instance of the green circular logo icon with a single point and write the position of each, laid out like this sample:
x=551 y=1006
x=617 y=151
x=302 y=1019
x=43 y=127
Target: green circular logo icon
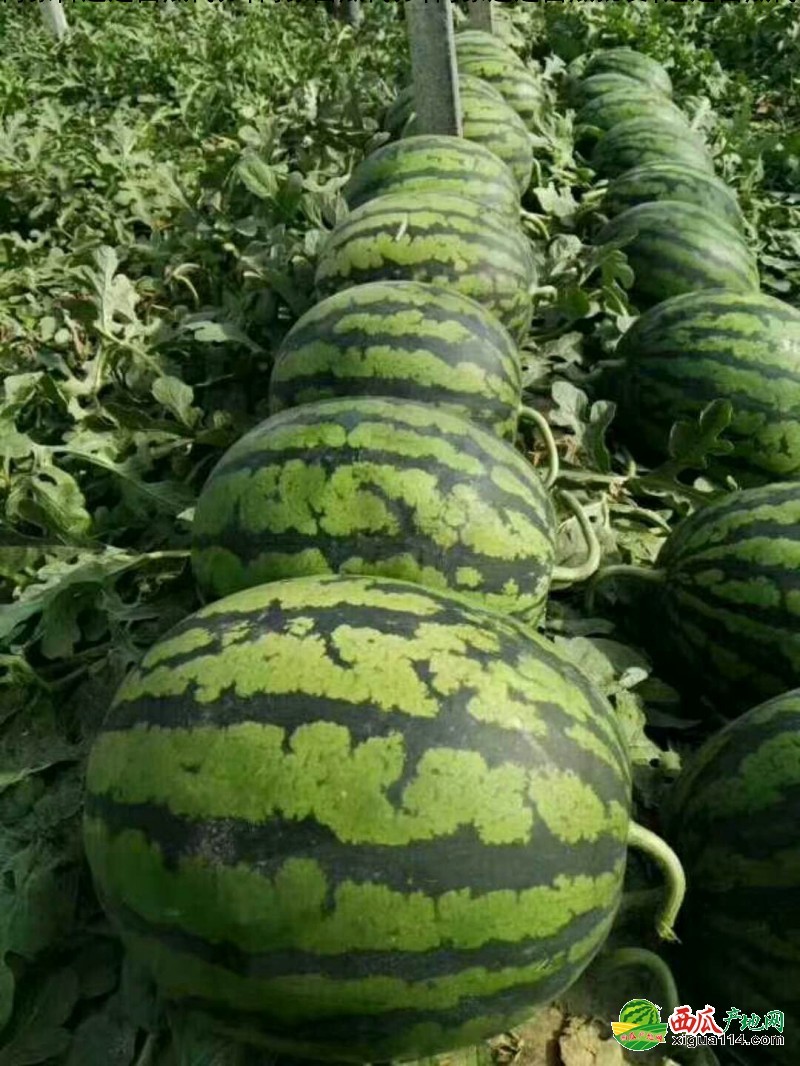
x=639 y=1027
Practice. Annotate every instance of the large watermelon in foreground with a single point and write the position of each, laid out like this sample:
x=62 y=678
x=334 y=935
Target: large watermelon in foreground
x=708 y=345
x=357 y=820
x=401 y=338
x=727 y=615
x=675 y=248
x=378 y=486
x=434 y=238
x=734 y=818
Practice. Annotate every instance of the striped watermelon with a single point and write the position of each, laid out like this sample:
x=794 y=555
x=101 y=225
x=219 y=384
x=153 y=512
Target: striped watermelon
x=401 y=338
x=631 y=64
x=674 y=248
x=588 y=89
x=520 y=89
x=423 y=164
x=482 y=45
x=438 y=238
x=487 y=120
x=729 y=599
x=614 y=107
x=695 y=348
x=638 y=141
x=733 y=816
x=673 y=181
x=357 y=820
x=377 y=486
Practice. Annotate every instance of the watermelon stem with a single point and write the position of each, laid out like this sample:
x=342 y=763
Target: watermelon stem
x=590 y=565
x=625 y=958
x=532 y=415
x=665 y=858
x=653 y=575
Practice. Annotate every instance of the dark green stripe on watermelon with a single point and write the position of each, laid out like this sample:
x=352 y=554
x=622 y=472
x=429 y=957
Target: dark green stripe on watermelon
x=673 y=181
x=435 y=238
x=692 y=349
x=428 y=163
x=404 y=339
x=350 y=895
x=733 y=817
x=731 y=597
x=377 y=486
x=675 y=248
x=638 y=141
x=487 y=120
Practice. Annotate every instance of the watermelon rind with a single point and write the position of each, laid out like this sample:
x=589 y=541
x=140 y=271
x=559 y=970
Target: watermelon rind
x=434 y=238
x=380 y=486
x=624 y=104
x=673 y=181
x=649 y=139
x=732 y=816
x=675 y=248
x=356 y=820
x=632 y=64
x=729 y=605
x=586 y=89
x=451 y=165
x=715 y=344
x=405 y=339
x=487 y=120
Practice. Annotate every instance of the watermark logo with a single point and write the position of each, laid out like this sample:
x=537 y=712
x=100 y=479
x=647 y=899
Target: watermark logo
x=639 y=1027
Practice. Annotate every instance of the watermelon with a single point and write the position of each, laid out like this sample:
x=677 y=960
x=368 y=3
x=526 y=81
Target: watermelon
x=588 y=89
x=423 y=164
x=733 y=815
x=675 y=248
x=520 y=89
x=631 y=64
x=650 y=139
x=614 y=107
x=728 y=604
x=695 y=348
x=369 y=485
x=673 y=181
x=436 y=238
x=640 y=1012
x=356 y=820
x=487 y=120
x=405 y=339
x=482 y=45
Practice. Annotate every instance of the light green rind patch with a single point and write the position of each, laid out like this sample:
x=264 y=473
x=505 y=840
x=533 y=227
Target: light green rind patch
x=255 y=772
x=572 y=810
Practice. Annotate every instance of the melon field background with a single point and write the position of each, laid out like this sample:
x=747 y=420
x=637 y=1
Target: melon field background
x=165 y=185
